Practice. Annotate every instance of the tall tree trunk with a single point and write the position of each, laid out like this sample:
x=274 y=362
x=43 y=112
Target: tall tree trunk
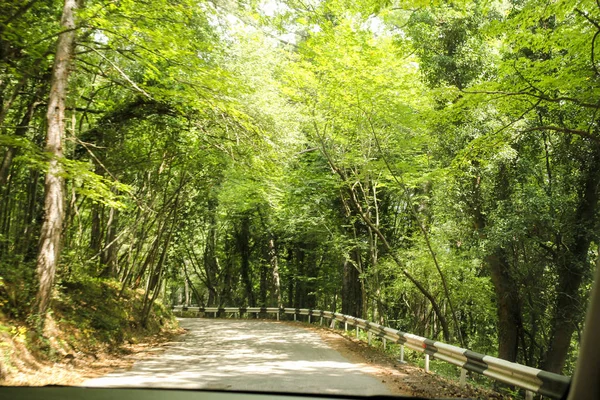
x=311 y=271
x=227 y=289
x=573 y=265
x=508 y=303
x=186 y=292
x=299 y=277
x=351 y=287
x=209 y=259
x=190 y=285
x=109 y=253
x=356 y=205
x=243 y=245
x=96 y=229
x=20 y=131
x=49 y=250
x=32 y=219
x=276 y=290
x=264 y=274
x=289 y=261
x=97 y=207
x=155 y=279
x=5 y=216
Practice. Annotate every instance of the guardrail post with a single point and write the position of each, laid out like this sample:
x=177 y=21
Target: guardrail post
x=321 y=323
x=369 y=338
x=309 y=318
x=215 y=314
x=357 y=332
x=402 y=353
x=528 y=395
x=345 y=325
x=426 y=362
x=463 y=377
x=294 y=316
x=384 y=343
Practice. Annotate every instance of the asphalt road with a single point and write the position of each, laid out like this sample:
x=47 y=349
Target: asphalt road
x=247 y=355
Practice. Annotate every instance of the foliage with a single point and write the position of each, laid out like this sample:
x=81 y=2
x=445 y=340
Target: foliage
x=429 y=165
x=93 y=311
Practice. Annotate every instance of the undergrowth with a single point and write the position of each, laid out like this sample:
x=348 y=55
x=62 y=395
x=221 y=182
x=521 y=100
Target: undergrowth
x=87 y=316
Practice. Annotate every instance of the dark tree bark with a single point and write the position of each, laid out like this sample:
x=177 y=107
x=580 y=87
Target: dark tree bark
x=96 y=228
x=357 y=207
x=508 y=301
x=227 y=288
x=211 y=267
x=508 y=305
x=20 y=130
x=305 y=275
x=49 y=250
x=155 y=279
x=300 y=284
x=573 y=265
x=289 y=260
x=312 y=271
x=188 y=282
x=263 y=285
x=243 y=247
x=32 y=219
x=351 y=287
x=109 y=255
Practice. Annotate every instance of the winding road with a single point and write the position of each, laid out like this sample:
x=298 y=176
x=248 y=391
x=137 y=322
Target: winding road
x=248 y=355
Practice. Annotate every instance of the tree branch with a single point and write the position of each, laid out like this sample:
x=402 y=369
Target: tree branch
x=586 y=16
x=538 y=96
x=577 y=132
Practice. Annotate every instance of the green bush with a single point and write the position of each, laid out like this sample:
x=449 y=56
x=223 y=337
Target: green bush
x=17 y=286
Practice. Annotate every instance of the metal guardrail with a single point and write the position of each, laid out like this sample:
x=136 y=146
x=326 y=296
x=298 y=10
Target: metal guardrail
x=531 y=379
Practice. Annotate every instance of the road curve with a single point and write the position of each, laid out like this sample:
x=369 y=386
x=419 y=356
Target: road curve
x=265 y=356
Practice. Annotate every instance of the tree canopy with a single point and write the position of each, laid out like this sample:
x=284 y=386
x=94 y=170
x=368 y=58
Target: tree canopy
x=434 y=166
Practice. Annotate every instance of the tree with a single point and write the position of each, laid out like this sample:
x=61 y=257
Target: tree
x=50 y=236
x=429 y=166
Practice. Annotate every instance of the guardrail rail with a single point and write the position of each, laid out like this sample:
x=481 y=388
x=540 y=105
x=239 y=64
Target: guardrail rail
x=531 y=379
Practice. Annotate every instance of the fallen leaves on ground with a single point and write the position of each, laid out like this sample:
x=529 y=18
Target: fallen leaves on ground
x=401 y=379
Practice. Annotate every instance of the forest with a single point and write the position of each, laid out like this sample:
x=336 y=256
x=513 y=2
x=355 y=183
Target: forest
x=433 y=166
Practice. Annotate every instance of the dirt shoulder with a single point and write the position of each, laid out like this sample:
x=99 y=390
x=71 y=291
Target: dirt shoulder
x=401 y=379
x=75 y=368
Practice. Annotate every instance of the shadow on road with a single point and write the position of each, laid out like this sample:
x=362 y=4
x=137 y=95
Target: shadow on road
x=248 y=355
